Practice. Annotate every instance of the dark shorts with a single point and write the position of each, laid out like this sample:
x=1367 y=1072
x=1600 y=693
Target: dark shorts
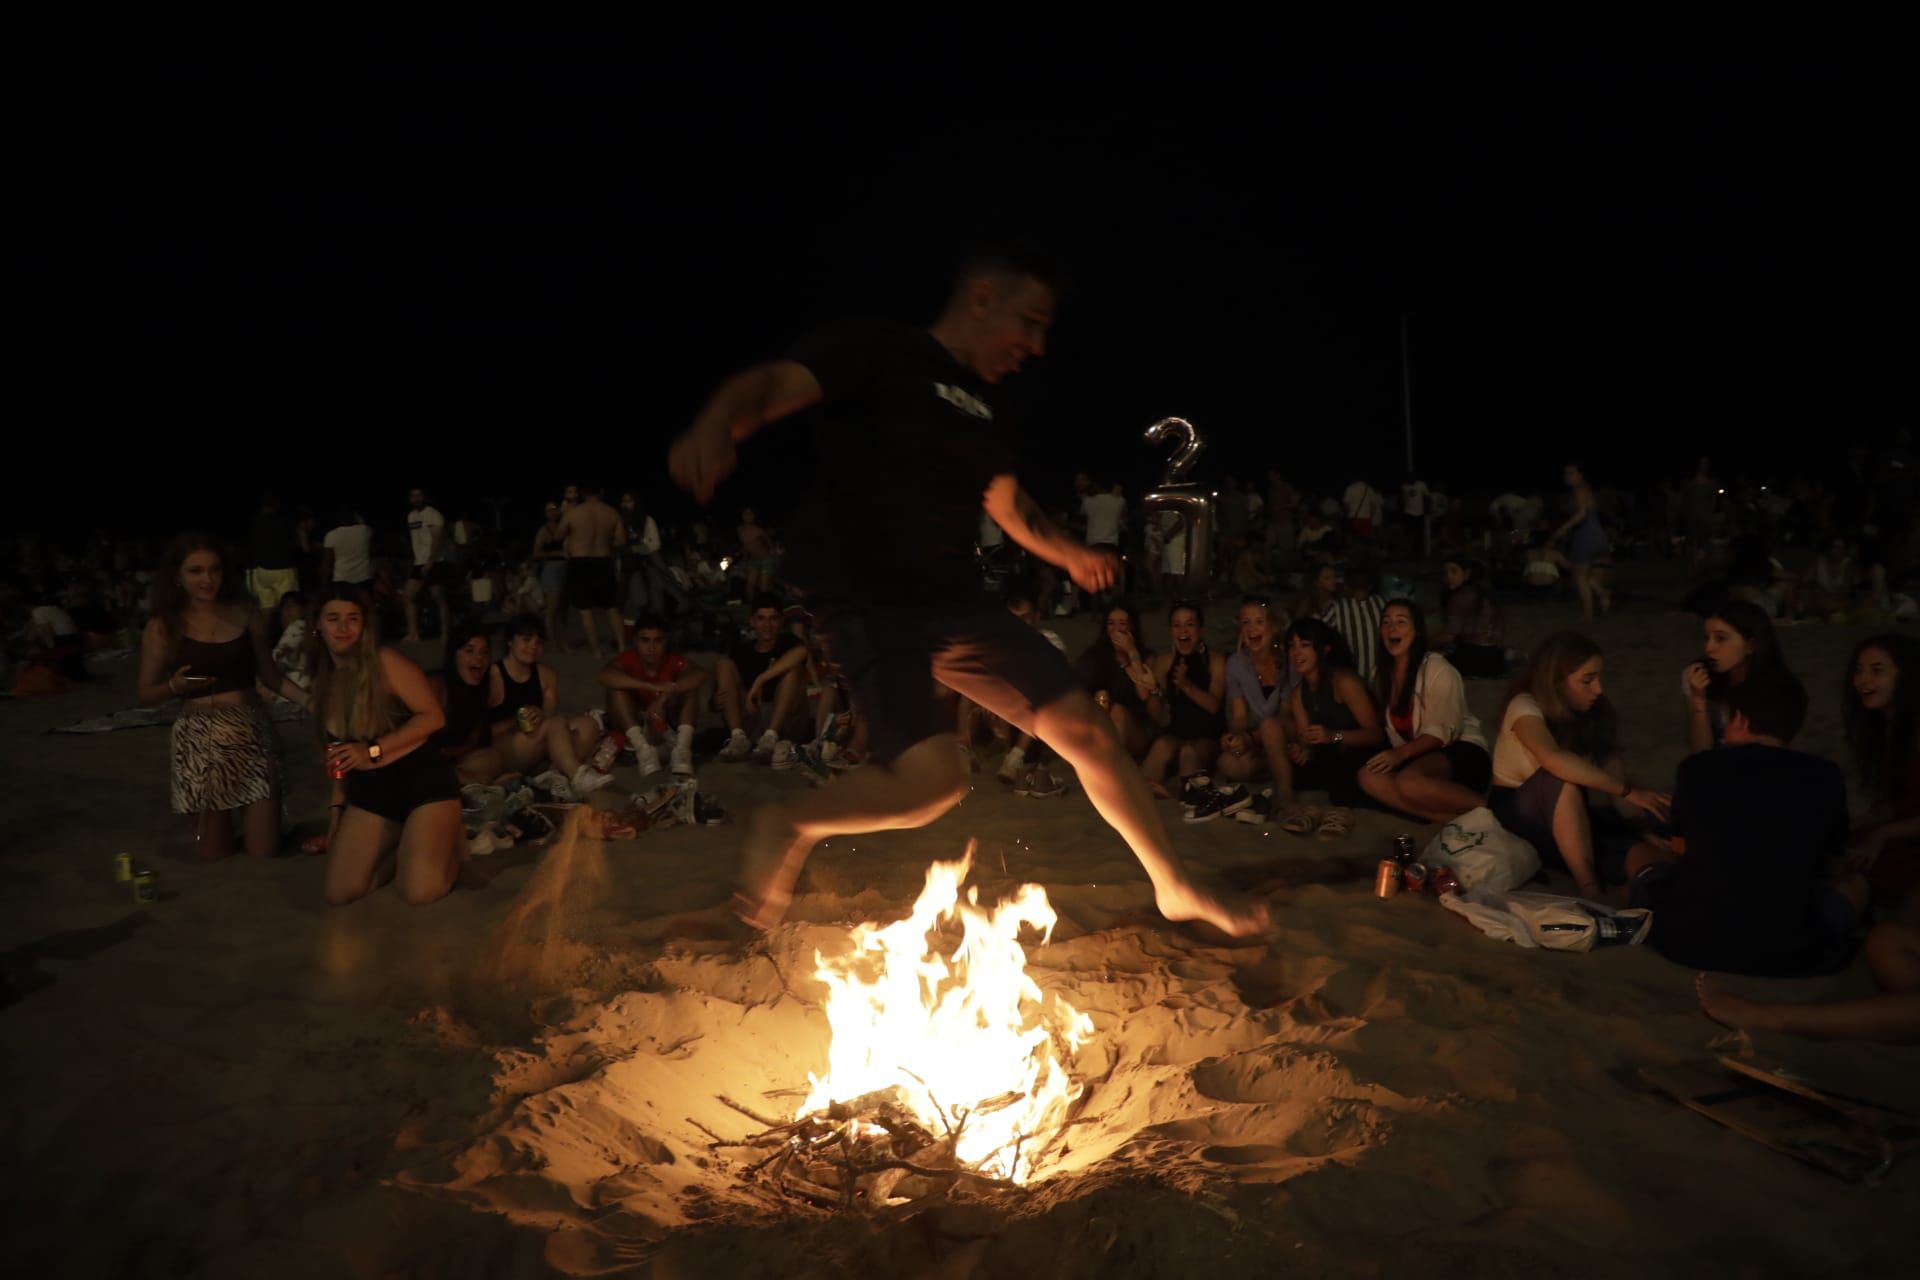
x=1469 y=765
x=893 y=655
x=1336 y=771
x=420 y=777
x=590 y=582
x=1826 y=947
x=1527 y=811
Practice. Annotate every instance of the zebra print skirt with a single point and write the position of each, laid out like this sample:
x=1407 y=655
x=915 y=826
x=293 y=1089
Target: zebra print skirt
x=223 y=758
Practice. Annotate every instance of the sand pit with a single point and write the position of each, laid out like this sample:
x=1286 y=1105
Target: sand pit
x=240 y=1081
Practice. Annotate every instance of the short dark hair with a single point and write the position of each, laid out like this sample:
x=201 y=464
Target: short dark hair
x=1002 y=258
x=526 y=624
x=649 y=622
x=1014 y=596
x=767 y=600
x=1773 y=705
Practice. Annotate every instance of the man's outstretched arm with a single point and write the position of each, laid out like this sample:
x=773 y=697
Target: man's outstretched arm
x=704 y=456
x=1015 y=511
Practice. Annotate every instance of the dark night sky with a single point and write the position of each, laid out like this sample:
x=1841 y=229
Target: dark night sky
x=481 y=261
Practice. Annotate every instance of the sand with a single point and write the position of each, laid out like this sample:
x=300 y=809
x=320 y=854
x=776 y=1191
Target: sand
x=241 y=1081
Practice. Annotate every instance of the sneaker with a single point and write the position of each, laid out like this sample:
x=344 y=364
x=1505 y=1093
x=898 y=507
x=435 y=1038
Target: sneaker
x=1233 y=798
x=1013 y=768
x=826 y=749
x=1198 y=790
x=844 y=759
x=599 y=717
x=646 y=759
x=707 y=811
x=484 y=843
x=1628 y=928
x=763 y=751
x=1207 y=810
x=812 y=766
x=1259 y=810
x=783 y=756
x=737 y=748
x=607 y=752
x=587 y=779
x=1043 y=783
x=555 y=785
x=681 y=760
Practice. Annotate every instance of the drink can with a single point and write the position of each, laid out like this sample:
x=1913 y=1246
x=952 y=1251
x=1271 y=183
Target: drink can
x=524 y=718
x=1414 y=878
x=143 y=886
x=123 y=867
x=1443 y=882
x=1403 y=850
x=1386 y=879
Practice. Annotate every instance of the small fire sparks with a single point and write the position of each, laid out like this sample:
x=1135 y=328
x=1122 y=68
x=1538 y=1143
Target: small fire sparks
x=969 y=1039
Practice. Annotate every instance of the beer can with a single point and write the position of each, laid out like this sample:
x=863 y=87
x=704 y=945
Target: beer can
x=524 y=718
x=143 y=887
x=1386 y=879
x=1414 y=878
x=1403 y=850
x=123 y=867
x=1443 y=882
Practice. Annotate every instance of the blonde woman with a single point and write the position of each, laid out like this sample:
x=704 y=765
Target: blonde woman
x=207 y=646
x=396 y=800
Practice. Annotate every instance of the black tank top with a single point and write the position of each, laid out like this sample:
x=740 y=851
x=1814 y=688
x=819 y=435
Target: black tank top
x=230 y=662
x=520 y=693
x=1190 y=719
x=1326 y=710
x=466 y=713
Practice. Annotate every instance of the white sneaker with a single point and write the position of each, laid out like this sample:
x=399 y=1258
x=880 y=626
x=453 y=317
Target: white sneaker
x=646 y=758
x=555 y=784
x=737 y=748
x=1012 y=767
x=827 y=749
x=637 y=739
x=587 y=779
x=599 y=716
x=766 y=748
x=682 y=761
x=783 y=755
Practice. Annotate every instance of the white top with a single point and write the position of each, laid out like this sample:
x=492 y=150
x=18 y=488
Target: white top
x=420 y=527
x=1513 y=764
x=1413 y=498
x=1439 y=707
x=649 y=541
x=1104 y=512
x=52 y=615
x=1361 y=501
x=352 y=547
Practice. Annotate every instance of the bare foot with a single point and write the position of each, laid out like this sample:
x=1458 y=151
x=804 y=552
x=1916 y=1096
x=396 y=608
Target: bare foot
x=1731 y=1011
x=1235 y=914
x=770 y=862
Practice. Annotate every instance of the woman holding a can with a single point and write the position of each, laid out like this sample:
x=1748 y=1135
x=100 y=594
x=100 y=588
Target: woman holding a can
x=522 y=694
x=1559 y=748
x=396 y=801
x=1335 y=726
x=1436 y=765
x=207 y=646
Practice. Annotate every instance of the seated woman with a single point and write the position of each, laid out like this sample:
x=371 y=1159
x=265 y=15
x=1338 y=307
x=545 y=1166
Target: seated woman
x=396 y=802
x=1740 y=645
x=1883 y=727
x=1195 y=681
x=1119 y=675
x=1259 y=679
x=526 y=744
x=1472 y=635
x=1559 y=745
x=460 y=687
x=1335 y=727
x=1436 y=766
x=1831 y=584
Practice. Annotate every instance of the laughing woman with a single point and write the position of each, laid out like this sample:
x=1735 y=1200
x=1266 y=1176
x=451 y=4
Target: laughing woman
x=1436 y=766
x=207 y=646
x=396 y=800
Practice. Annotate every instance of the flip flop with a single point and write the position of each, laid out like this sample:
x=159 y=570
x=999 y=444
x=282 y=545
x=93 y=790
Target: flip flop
x=1300 y=820
x=1335 y=824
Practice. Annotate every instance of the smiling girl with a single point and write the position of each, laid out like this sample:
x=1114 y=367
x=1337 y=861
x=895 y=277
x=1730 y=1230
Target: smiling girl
x=1436 y=765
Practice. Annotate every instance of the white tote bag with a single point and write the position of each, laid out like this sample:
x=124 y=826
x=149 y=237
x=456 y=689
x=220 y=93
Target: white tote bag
x=1482 y=853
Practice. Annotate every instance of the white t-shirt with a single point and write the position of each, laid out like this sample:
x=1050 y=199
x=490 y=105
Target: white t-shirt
x=1361 y=502
x=52 y=615
x=420 y=527
x=352 y=547
x=1103 y=511
x=1513 y=764
x=1413 y=498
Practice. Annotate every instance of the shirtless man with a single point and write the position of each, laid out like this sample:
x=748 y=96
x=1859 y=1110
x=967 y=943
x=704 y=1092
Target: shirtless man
x=885 y=551
x=592 y=530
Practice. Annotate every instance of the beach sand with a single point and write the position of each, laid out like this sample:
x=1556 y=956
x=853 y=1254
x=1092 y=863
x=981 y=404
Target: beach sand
x=241 y=1081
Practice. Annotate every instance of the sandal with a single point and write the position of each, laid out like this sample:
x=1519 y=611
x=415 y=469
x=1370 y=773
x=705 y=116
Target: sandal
x=1300 y=820
x=1336 y=824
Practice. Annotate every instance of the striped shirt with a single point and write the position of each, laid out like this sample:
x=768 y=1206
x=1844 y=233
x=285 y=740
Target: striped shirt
x=1358 y=622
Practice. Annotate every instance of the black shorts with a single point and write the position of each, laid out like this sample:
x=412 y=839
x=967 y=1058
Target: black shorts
x=590 y=582
x=422 y=776
x=893 y=655
x=1469 y=764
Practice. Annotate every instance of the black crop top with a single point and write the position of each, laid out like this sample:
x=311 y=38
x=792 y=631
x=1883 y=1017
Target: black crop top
x=230 y=663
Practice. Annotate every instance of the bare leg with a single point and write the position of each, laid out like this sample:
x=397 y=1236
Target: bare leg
x=1891 y=1018
x=1273 y=740
x=482 y=766
x=726 y=676
x=1240 y=768
x=409 y=597
x=1159 y=756
x=593 y=633
x=929 y=778
x=362 y=842
x=1583 y=580
x=1573 y=832
x=429 y=855
x=446 y=615
x=260 y=826
x=568 y=741
x=1071 y=726
x=557 y=619
x=788 y=697
x=623 y=712
x=213 y=835
x=1425 y=789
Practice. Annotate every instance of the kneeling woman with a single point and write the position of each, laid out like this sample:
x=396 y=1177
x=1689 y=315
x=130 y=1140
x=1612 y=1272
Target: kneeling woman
x=396 y=806
x=1559 y=745
x=1436 y=766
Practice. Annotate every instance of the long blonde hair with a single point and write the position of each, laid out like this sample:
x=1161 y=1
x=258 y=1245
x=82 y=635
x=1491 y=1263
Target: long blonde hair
x=350 y=695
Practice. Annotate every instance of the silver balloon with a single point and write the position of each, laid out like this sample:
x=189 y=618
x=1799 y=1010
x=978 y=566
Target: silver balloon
x=1192 y=502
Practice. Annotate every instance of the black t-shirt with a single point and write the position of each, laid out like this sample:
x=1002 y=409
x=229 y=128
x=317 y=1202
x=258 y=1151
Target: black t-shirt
x=1759 y=824
x=753 y=663
x=906 y=441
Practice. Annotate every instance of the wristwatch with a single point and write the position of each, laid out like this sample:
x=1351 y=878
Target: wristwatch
x=1338 y=738
x=373 y=752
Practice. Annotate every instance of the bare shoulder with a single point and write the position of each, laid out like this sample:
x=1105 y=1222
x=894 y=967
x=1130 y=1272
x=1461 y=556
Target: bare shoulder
x=398 y=667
